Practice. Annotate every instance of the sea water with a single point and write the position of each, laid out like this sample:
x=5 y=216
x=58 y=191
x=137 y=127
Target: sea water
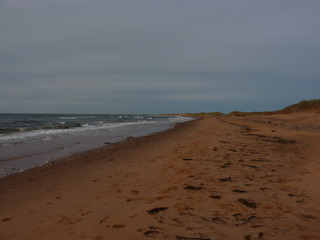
x=31 y=140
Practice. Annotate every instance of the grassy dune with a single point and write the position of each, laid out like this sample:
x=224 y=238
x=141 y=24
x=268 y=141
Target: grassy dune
x=304 y=105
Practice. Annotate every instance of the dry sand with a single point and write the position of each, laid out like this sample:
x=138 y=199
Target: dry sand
x=213 y=178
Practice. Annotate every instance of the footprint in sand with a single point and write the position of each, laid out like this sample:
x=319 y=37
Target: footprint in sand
x=151 y=232
x=215 y=196
x=135 y=192
x=225 y=179
x=118 y=226
x=169 y=189
x=6 y=219
x=103 y=220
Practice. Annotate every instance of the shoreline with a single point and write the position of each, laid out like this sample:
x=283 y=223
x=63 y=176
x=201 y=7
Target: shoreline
x=210 y=178
x=81 y=155
x=46 y=146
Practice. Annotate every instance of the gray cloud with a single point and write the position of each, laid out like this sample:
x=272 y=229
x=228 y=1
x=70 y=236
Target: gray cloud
x=157 y=56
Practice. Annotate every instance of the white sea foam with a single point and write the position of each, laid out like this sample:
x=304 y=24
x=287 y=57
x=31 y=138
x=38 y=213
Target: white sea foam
x=45 y=134
x=68 y=118
x=32 y=147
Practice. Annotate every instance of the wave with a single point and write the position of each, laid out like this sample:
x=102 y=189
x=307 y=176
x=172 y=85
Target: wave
x=17 y=136
x=9 y=130
x=68 y=118
x=51 y=128
x=29 y=129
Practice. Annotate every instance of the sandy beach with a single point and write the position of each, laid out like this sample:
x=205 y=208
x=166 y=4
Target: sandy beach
x=254 y=177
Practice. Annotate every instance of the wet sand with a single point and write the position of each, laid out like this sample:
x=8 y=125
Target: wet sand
x=213 y=178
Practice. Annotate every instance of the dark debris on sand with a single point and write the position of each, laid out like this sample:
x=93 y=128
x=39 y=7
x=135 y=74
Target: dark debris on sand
x=193 y=188
x=248 y=203
x=156 y=210
x=187 y=238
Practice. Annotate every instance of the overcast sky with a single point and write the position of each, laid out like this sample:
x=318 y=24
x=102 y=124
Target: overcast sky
x=157 y=56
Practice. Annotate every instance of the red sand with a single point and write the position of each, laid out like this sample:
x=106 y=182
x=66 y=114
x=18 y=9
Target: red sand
x=213 y=178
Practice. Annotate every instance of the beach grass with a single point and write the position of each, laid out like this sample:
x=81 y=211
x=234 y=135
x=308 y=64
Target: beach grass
x=304 y=105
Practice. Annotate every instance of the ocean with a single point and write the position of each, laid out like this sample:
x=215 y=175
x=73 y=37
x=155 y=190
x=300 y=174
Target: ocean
x=31 y=140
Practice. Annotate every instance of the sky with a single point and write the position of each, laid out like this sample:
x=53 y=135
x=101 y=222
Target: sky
x=157 y=56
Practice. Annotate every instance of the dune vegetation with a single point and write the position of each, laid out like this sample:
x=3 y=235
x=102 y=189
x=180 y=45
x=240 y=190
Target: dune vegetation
x=305 y=105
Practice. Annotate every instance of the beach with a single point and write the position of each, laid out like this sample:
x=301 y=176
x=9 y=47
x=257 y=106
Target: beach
x=31 y=140
x=228 y=177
